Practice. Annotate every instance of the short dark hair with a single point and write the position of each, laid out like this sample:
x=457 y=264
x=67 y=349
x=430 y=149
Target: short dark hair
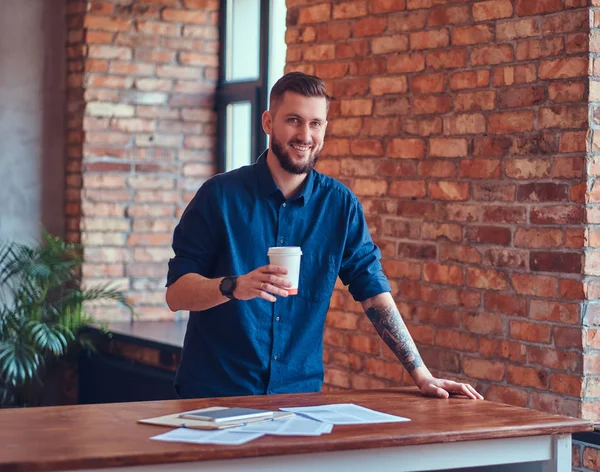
x=300 y=83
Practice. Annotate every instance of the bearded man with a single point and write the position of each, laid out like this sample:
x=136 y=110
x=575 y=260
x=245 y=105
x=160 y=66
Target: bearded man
x=246 y=335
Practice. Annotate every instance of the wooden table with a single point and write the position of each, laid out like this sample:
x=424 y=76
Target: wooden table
x=443 y=434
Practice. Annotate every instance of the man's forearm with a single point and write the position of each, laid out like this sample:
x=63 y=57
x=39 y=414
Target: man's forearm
x=390 y=326
x=194 y=293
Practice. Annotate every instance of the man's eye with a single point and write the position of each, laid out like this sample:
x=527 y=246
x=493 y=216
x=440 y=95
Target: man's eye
x=293 y=120
x=316 y=124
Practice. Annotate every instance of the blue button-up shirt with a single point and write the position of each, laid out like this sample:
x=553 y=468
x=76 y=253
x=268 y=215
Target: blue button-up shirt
x=257 y=347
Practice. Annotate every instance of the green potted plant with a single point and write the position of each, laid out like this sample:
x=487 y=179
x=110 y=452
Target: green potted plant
x=42 y=311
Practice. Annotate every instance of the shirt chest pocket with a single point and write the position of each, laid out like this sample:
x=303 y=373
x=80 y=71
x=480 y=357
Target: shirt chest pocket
x=317 y=276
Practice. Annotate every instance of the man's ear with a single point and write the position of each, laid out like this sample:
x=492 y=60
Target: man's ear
x=267 y=122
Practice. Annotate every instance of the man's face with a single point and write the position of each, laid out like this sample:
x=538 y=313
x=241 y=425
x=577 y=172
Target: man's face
x=297 y=130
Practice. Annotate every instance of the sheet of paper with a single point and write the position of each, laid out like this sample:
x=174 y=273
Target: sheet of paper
x=296 y=426
x=345 y=413
x=225 y=436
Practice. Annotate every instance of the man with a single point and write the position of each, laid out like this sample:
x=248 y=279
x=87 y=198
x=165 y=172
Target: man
x=245 y=335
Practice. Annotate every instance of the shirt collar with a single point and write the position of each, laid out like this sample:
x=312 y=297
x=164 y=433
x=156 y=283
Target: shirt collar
x=267 y=185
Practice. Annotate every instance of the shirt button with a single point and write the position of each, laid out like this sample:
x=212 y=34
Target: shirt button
x=275 y=357
x=277 y=319
x=284 y=205
x=281 y=241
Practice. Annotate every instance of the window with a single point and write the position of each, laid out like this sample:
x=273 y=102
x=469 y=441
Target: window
x=252 y=59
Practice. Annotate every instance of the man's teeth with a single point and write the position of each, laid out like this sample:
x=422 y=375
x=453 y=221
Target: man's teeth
x=300 y=148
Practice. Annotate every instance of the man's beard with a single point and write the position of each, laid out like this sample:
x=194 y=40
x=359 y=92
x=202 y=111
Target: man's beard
x=287 y=163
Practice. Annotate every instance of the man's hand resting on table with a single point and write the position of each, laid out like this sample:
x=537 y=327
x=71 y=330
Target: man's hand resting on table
x=433 y=387
x=383 y=313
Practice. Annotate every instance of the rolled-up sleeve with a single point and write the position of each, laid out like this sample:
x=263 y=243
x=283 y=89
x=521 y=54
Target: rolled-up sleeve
x=361 y=267
x=196 y=238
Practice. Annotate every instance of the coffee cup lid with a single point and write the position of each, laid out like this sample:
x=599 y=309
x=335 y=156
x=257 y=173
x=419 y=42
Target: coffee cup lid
x=291 y=250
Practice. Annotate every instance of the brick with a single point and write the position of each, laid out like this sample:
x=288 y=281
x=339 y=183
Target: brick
x=357 y=107
x=448 y=15
x=504 y=394
x=314 y=14
x=537 y=48
x=366 y=147
x=527 y=168
x=349 y=9
x=480 y=169
x=428 y=83
x=514 y=29
x=448 y=147
x=525 y=7
x=422 y=126
x=389 y=44
x=370 y=187
x=542 y=192
x=483 y=369
x=565 y=22
x=444 y=190
x=460 y=124
x=557 y=214
x=491 y=55
x=369 y=26
x=494 y=192
x=443 y=274
x=536 y=285
x=563 y=68
x=527 y=377
x=486 y=279
x=460 y=212
x=567 y=92
x=185 y=16
x=447 y=59
x=403 y=63
x=408 y=189
x=483 y=100
x=194 y=59
x=459 y=253
x=469 y=79
x=504 y=303
x=386 y=6
x=492 y=10
x=429 y=39
x=406 y=148
x=564 y=117
x=466 y=35
x=433 y=231
x=504 y=214
x=510 y=75
x=554 y=359
x=102 y=51
x=566 y=262
x=522 y=97
x=538 y=238
x=104 y=23
x=388 y=85
x=331 y=70
x=484 y=323
x=557 y=404
x=510 y=122
x=431 y=104
x=416 y=251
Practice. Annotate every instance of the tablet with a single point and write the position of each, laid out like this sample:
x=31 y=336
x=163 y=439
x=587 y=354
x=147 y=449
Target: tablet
x=222 y=415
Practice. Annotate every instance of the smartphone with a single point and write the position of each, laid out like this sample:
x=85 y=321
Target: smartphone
x=223 y=415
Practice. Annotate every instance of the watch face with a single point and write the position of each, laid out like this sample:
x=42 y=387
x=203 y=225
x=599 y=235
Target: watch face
x=227 y=284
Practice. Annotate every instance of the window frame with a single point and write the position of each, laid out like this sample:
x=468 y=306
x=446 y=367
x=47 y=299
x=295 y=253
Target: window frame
x=253 y=91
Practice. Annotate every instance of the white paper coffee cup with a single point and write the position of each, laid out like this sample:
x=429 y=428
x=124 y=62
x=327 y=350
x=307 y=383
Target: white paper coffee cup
x=288 y=257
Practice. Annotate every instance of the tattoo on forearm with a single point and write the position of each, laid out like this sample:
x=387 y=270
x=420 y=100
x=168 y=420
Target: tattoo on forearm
x=389 y=324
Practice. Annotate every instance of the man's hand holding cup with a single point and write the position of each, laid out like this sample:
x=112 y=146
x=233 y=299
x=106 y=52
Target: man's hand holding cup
x=264 y=282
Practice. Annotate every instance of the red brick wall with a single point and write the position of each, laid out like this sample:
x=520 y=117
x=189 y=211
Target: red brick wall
x=461 y=125
x=142 y=79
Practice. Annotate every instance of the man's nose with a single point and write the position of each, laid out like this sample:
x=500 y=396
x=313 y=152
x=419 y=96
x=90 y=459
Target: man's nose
x=304 y=133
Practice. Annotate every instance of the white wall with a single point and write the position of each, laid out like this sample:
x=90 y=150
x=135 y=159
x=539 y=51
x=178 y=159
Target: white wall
x=32 y=103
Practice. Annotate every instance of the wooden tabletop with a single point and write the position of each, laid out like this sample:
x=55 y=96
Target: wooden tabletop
x=107 y=435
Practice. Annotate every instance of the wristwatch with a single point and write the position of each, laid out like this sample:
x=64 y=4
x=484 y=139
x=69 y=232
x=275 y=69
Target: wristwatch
x=227 y=286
